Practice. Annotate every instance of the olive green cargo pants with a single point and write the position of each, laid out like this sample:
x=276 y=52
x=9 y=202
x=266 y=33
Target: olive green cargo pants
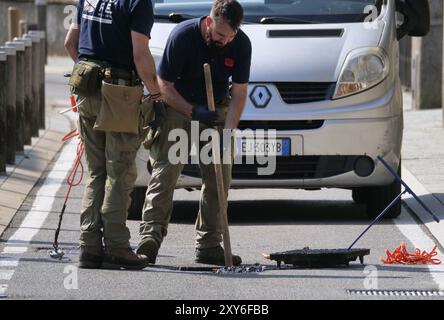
x=110 y=179
x=159 y=197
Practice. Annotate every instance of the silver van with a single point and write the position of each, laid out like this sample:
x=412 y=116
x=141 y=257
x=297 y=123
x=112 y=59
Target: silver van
x=325 y=75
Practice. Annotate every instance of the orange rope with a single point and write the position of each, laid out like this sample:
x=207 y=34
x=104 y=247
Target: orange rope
x=401 y=256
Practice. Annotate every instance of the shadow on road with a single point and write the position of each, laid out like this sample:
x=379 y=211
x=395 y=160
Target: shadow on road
x=278 y=211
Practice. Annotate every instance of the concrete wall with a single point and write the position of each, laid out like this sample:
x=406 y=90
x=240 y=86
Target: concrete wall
x=56 y=30
x=427 y=67
x=405 y=62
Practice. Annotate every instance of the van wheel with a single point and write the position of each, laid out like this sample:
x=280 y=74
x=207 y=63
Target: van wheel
x=378 y=198
x=137 y=201
x=359 y=195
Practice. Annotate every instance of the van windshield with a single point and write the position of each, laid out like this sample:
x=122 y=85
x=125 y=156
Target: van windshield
x=276 y=11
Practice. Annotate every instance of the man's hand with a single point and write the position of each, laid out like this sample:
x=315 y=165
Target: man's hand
x=159 y=115
x=202 y=114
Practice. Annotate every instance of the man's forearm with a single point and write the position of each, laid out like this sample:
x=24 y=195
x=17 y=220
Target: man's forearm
x=235 y=110
x=147 y=72
x=72 y=42
x=73 y=53
x=175 y=100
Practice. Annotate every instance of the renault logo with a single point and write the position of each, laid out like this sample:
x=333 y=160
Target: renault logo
x=260 y=96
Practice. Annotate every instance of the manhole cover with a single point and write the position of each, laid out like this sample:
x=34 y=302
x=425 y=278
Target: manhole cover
x=318 y=258
x=405 y=293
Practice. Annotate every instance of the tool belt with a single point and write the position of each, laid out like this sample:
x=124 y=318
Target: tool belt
x=88 y=74
x=85 y=78
x=121 y=92
x=121 y=77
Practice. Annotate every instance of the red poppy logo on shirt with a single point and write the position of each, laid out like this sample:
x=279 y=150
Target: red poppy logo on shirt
x=229 y=62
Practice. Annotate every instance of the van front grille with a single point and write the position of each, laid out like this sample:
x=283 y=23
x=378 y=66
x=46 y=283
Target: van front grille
x=304 y=92
x=295 y=167
x=280 y=125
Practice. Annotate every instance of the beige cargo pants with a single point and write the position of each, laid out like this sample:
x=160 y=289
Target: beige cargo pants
x=111 y=174
x=159 y=197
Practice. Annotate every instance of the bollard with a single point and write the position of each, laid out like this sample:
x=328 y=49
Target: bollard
x=28 y=102
x=23 y=27
x=41 y=6
x=13 y=23
x=2 y=112
x=35 y=83
x=10 y=74
x=20 y=94
x=41 y=85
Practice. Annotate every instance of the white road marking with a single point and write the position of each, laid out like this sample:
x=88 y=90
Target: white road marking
x=6 y=274
x=9 y=262
x=42 y=205
x=409 y=227
x=14 y=250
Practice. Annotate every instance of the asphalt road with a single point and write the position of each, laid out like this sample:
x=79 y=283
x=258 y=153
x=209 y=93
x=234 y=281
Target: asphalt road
x=261 y=221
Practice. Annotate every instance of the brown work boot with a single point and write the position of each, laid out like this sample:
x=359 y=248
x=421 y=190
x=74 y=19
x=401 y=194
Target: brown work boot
x=215 y=256
x=91 y=257
x=148 y=247
x=124 y=258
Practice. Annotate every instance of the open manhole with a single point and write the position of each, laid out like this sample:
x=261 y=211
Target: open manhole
x=403 y=293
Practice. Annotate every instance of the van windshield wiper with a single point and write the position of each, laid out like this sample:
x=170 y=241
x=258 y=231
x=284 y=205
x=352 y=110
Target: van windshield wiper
x=174 y=17
x=272 y=20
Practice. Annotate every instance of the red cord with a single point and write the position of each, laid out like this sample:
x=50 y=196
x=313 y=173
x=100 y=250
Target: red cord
x=401 y=256
x=73 y=133
x=78 y=162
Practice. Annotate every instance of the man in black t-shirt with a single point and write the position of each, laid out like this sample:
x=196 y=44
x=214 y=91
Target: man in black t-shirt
x=112 y=34
x=217 y=40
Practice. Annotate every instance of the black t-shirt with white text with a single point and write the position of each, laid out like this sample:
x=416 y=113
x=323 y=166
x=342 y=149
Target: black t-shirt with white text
x=106 y=25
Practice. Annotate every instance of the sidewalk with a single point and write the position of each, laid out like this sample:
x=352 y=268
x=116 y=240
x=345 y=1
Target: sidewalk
x=423 y=163
x=423 y=153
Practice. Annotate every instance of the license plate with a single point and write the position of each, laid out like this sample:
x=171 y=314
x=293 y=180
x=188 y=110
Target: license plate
x=264 y=147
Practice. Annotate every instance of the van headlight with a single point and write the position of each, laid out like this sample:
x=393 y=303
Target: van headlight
x=363 y=68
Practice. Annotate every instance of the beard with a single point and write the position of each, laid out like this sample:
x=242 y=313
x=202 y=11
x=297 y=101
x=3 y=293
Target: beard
x=215 y=46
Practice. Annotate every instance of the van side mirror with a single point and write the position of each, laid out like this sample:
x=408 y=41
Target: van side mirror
x=416 y=18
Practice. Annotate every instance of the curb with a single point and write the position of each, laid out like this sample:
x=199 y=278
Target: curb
x=436 y=206
x=16 y=186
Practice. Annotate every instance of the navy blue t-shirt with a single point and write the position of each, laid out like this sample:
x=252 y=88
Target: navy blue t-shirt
x=185 y=54
x=106 y=25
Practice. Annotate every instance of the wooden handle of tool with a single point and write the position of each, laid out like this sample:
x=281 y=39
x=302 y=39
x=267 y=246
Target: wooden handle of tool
x=218 y=171
x=209 y=87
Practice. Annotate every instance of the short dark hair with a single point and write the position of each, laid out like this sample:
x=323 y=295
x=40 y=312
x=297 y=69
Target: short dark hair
x=230 y=11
